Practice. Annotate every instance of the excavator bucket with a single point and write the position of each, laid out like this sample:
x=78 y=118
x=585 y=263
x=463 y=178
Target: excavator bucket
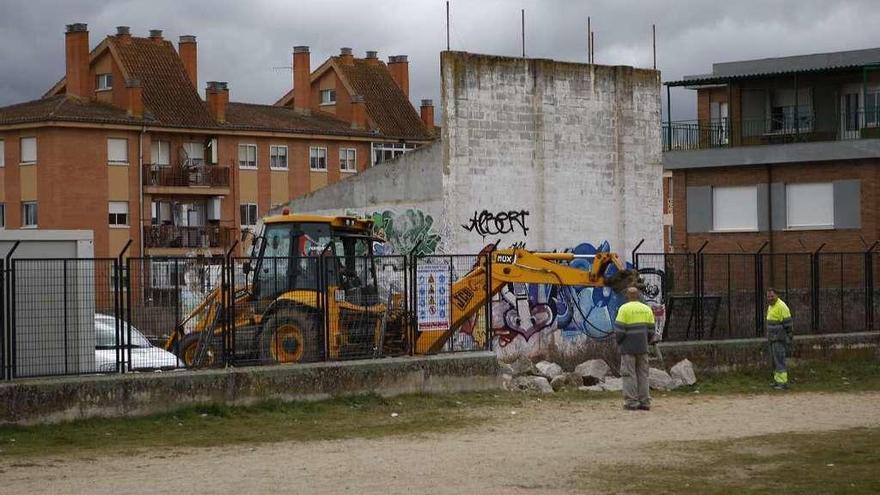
x=623 y=279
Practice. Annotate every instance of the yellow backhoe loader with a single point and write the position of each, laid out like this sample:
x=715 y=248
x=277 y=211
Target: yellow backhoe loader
x=305 y=269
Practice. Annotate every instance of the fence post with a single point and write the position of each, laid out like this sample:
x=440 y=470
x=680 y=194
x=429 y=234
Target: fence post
x=698 y=269
x=634 y=253
x=759 y=290
x=9 y=281
x=126 y=327
x=814 y=289
x=227 y=305
x=869 y=287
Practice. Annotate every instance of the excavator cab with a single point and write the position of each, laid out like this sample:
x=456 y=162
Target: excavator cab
x=310 y=293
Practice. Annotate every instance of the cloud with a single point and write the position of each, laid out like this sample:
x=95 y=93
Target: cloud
x=249 y=44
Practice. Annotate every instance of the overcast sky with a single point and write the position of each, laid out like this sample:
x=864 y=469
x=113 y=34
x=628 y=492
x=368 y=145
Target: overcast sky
x=248 y=43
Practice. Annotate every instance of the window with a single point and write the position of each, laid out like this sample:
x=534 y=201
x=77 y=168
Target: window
x=28 y=150
x=328 y=96
x=194 y=153
x=247 y=156
x=103 y=82
x=119 y=213
x=2 y=154
x=117 y=151
x=29 y=214
x=735 y=208
x=160 y=152
x=278 y=157
x=809 y=205
x=318 y=158
x=782 y=110
x=248 y=215
x=2 y=215
x=872 y=108
x=348 y=159
x=388 y=151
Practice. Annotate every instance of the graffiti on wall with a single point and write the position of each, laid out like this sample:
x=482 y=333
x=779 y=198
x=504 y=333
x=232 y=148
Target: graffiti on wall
x=486 y=223
x=523 y=311
x=411 y=231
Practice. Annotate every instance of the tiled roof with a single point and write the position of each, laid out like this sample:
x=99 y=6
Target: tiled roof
x=65 y=108
x=168 y=93
x=268 y=117
x=387 y=105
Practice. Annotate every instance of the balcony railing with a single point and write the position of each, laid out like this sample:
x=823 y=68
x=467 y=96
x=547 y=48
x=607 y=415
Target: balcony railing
x=779 y=129
x=186 y=176
x=174 y=236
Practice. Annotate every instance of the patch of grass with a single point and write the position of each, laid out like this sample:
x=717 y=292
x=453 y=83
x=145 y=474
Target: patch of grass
x=804 y=376
x=844 y=461
x=364 y=416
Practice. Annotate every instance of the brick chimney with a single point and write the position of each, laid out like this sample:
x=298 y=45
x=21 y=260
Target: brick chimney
x=76 y=50
x=123 y=32
x=427 y=114
x=372 y=57
x=135 y=98
x=399 y=67
x=217 y=96
x=302 y=85
x=156 y=35
x=187 y=49
x=345 y=56
x=358 y=112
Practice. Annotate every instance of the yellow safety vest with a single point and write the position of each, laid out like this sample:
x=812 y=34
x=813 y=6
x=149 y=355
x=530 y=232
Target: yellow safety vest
x=635 y=320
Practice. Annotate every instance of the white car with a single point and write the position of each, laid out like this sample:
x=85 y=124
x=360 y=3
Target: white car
x=143 y=354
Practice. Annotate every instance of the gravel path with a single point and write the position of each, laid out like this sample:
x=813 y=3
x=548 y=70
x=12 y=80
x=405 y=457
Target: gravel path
x=537 y=450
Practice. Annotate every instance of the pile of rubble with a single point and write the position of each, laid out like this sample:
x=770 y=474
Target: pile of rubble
x=590 y=376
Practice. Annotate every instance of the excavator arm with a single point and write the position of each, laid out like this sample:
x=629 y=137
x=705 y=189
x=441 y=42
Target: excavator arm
x=513 y=265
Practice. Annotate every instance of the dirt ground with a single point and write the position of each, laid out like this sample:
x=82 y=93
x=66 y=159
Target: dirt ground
x=536 y=449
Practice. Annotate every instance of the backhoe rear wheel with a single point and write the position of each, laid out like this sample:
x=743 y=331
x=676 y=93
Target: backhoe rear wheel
x=291 y=336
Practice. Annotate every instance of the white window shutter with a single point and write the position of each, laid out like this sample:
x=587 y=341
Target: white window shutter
x=28 y=150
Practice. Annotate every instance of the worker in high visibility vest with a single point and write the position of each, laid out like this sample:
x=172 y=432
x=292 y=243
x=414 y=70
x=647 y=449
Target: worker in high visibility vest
x=779 y=334
x=633 y=329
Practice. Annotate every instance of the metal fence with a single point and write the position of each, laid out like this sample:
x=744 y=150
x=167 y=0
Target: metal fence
x=82 y=316
x=722 y=296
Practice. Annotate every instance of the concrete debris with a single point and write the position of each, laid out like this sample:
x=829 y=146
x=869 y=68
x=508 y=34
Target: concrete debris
x=612 y=384
x=591 y=388
x=505 y=368
x=566 y=380
x=548 y=370
x=506 y=381
x=532 y=384
x=523 y=366
x=593 y=371
x=660 y=380
x=683 y=372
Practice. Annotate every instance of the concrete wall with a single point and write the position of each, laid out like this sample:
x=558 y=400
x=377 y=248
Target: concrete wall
x=557 y=155
x=133 y=394
x=572 y=151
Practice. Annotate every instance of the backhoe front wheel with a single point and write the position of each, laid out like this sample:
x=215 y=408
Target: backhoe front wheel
x=291 y=336
x=195 y=355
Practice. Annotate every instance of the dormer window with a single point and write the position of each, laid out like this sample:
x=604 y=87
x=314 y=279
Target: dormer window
x=328 y=97
x=104 y=82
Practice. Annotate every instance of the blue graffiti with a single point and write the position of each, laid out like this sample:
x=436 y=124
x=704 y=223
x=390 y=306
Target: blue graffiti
x=527 y=310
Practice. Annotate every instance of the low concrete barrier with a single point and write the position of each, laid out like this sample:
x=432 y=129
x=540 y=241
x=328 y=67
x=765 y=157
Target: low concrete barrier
x=723 y=355
x=63 y=399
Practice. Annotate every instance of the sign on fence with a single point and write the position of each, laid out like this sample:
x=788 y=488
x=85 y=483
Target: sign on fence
x=432 y=289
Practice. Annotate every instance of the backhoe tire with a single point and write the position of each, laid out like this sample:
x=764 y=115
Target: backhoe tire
x=291 y=336
x=189 y=351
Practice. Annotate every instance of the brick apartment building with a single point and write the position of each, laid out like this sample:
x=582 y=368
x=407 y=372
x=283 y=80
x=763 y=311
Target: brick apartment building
x=784 y=151
x=125 y=146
